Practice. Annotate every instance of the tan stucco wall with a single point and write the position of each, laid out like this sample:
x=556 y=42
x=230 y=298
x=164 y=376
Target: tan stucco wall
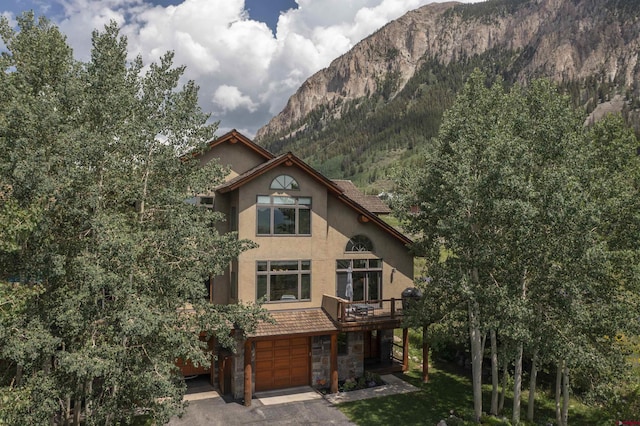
x=333 y=224
x=237 y=157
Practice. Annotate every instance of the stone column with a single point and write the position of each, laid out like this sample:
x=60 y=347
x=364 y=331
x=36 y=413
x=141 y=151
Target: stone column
x=247 y=373
x=334 y=363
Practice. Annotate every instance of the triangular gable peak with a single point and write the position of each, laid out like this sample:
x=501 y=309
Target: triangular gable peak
x=233 y=137
x=235 y=151
x=290 y=160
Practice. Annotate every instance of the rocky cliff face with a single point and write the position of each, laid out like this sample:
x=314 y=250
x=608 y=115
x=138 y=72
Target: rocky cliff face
x=561 y=39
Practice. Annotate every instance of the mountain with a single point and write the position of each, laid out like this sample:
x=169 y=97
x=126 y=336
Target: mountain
x=383 y=100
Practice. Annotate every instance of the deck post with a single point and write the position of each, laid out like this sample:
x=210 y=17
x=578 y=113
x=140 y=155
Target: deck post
x=393 y=308
x=247 y=373
x=334 y=364
x=405 y=349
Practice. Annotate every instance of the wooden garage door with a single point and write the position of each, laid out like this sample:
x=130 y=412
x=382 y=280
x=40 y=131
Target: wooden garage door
x=282 y=363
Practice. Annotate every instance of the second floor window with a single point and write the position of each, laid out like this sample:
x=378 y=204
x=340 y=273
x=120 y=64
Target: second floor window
x=284 y=280
x=283 y=215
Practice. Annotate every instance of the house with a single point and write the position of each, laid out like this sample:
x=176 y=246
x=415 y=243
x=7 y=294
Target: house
x=330 y=270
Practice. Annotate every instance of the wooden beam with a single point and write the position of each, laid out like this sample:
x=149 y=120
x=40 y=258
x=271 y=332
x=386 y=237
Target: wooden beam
x=212 y=368
x=405 y=349
x=334 y=364
x=247 y=373
x=221 y=364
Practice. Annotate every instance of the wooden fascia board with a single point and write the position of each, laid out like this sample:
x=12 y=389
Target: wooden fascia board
x=229 y=137
x=303 y=334
x=374 y=218
x=239 y=137
x=289 y=157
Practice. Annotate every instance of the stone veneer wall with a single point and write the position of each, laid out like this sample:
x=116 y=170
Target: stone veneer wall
x=320 y=361
x=351 y=364
x=237 y=378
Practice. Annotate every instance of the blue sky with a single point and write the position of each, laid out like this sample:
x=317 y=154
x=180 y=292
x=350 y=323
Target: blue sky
x=267 y=11
x=247 y=56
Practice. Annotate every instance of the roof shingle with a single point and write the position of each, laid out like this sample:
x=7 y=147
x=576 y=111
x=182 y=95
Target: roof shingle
x=369 y=202
x=302 y=321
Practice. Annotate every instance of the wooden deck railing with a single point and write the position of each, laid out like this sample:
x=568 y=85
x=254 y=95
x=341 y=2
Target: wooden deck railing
x=342 y=310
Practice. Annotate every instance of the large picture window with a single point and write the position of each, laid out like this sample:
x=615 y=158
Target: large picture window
x=283 y=215
x=365 y=276
x=284 y=280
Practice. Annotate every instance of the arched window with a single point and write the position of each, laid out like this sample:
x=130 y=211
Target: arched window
x=284 y=182
x=359 y=243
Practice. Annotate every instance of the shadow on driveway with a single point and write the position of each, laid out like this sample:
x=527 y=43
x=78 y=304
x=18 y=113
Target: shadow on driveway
x=299 y=406
x=215 y=411
x=296 y=406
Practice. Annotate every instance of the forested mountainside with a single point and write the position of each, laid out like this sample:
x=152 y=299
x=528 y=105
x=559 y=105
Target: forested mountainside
x=379 y=104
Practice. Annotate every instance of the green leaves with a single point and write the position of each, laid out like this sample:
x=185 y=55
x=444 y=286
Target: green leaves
x=540 y=214
x=93 y=191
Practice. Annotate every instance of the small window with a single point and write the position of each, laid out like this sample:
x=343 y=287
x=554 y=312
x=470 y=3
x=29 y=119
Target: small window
x=284 y=182
x=359 y=243
x=202 y=201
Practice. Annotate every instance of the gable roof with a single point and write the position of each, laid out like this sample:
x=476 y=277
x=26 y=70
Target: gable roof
x=370 y=202
x=233 y=137
x=290 y=160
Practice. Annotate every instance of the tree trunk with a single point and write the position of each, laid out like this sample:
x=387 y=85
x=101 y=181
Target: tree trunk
x=558 y=390
x=475 y=338
x=517 y=375
x=532 y=385
x=425 y=354
x=77 y=409
x=503 y=391
x=145 y=184
x=565 y=394
x=517 y=384
x=109 y=417
x=67 y=410
x=494 y=372
x=88 y=394
x=18 y=378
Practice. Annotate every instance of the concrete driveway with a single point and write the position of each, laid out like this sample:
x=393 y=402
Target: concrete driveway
x=216 y=411
x=297 y=406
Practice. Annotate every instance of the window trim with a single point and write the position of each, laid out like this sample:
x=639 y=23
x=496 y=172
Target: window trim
x=367 y=269
x=273 y=205
x=359 y=240
x=269 y=272
x=288 y=182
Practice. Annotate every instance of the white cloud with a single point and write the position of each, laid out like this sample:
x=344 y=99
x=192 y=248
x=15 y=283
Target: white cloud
x=230 y=98
x=245 y=72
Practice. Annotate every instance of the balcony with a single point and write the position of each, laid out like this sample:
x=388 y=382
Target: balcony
x=369 y=314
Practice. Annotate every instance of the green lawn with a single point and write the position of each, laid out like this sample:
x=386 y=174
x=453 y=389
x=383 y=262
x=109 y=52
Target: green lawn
x=448 y=390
